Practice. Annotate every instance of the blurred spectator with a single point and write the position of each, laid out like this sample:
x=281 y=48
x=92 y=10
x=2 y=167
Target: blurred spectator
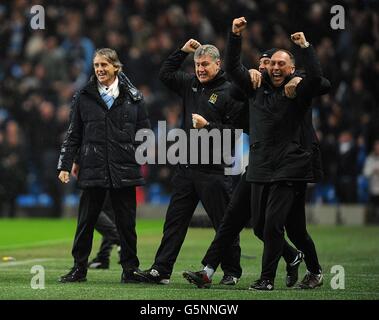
x=12 y=168
x=371 y=171
x=46 y=148
x=48 y=66
x=78 y=49
x=346 y=182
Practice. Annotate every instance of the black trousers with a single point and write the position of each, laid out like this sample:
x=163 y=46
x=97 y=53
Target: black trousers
x=279 y=206
x=238 y=214
x=106 y=226
x=124 y=204
x=192 y=186
x=296 y=228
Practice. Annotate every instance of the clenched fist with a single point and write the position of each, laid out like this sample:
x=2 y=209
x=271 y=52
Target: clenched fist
x=198 y=121
x=299 y=39
x=64 y=176
x=191 y=45
x=239 y=24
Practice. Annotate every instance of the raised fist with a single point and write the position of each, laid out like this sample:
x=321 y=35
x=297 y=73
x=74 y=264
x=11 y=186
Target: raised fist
x=239 y=24
x=191 y=46
x=299 y=39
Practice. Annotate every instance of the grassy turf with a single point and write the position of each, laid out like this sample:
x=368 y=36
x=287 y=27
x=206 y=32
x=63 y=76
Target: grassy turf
x=48 y=243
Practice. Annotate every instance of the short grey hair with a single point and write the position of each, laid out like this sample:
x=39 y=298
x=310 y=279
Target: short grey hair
x=111 y=56
x=207 y=50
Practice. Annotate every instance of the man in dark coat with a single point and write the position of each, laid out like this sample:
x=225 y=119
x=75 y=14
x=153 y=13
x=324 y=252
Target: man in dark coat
x=279 y=165
x=239 y=212
x=105 y=116
x=207 y=104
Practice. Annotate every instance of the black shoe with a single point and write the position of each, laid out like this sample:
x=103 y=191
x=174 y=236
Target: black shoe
x=293 y=270
x=311 y=281
x=229 y=280
x=76 y=274
x=198 y=278
x=262 y=284
x=151 y=276
x=98 y=264
x=128 y=276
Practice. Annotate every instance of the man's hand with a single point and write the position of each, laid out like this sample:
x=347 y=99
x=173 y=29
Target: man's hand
x=239 y=25
x=64 y=176
x=299 y=39
x=75 y=170
x=256 y=78
x=198 y=121
x=290 y=87
x=191 y=45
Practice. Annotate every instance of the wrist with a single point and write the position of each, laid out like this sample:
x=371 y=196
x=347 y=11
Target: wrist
x=236 y=33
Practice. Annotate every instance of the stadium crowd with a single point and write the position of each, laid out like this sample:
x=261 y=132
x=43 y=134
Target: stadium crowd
x=40 y=71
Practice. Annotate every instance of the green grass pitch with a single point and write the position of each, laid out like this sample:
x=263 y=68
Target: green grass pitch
x=48 y=243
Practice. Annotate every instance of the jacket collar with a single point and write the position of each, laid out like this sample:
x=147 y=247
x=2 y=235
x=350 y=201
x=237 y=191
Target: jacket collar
x=125 y=86
x=218 y=80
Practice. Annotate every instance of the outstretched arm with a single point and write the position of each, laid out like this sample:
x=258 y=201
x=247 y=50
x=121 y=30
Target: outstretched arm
x=238 y=73
x=310 y=86
x=169 y=72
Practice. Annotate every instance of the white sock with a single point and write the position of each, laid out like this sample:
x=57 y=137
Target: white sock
x=210 y=271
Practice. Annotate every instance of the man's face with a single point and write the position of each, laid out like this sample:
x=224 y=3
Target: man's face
x=105 y=71
x=206 y=68
x=280 y=67
x=263 y=64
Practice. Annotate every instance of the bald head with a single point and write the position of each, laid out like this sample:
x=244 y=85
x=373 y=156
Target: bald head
x=282 y=64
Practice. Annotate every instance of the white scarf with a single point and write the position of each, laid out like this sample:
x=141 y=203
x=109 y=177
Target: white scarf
x=112 y=90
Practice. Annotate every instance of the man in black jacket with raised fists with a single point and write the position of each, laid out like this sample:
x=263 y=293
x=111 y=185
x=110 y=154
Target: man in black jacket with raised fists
x=279 y=165
x=206 y=104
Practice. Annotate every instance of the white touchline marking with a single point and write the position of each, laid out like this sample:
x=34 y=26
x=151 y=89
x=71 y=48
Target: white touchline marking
x=23 y=262
x=35 y=244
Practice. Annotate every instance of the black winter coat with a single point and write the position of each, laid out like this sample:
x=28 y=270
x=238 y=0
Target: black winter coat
x=277 y=152
x=105 y=138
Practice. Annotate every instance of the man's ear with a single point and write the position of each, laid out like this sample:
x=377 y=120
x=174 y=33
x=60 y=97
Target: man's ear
x=293 y=69
x=218 y=63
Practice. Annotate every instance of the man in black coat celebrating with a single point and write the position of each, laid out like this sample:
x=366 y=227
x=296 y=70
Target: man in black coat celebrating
x=105 y=116
x=207 y=104
x=279 y=164
x=239 y=209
